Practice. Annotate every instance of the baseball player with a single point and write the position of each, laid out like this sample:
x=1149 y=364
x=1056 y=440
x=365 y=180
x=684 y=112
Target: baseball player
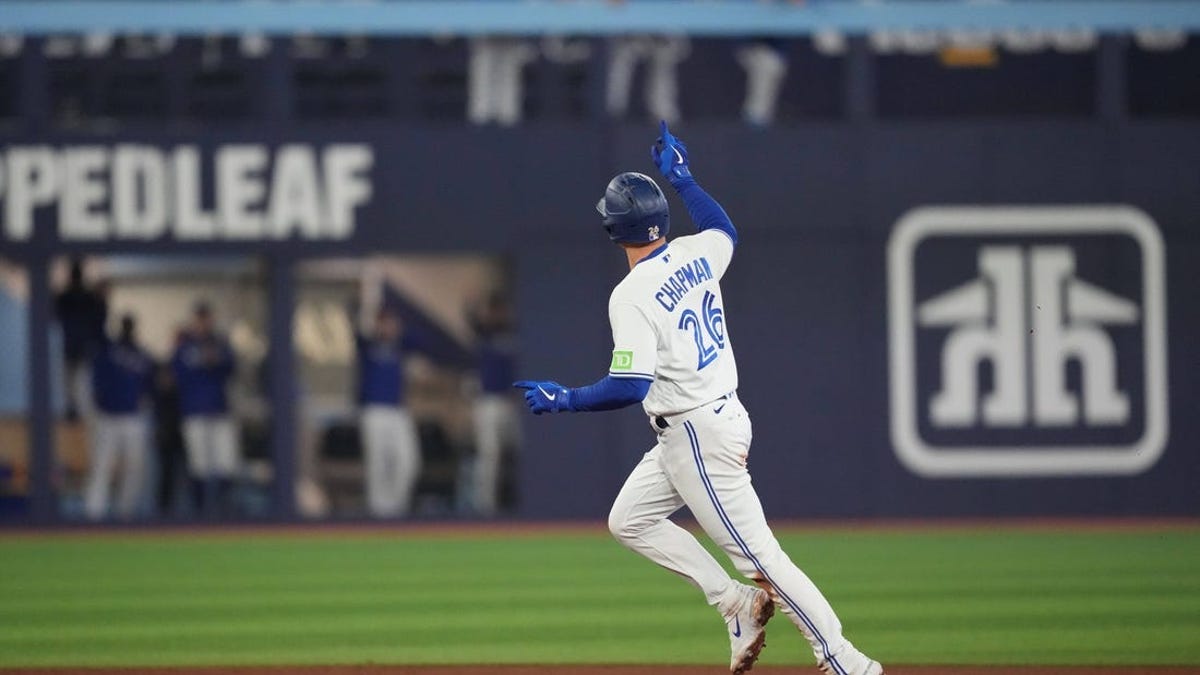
x=121 y=382
x=495 y=413
x=391 y=446
x=82 y=312
x=203 y=365
x=672 y=353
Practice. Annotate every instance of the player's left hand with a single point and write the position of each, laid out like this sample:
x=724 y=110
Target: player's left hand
x=544 y=396
x=670 y=155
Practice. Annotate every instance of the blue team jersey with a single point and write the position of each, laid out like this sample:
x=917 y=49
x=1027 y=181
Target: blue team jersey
x=202 y=381
x=497 y=362
x=121 y=378
x=381 y=371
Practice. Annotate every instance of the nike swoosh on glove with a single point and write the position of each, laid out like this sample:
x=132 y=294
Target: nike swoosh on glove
x=670 y=155
x=543 y=396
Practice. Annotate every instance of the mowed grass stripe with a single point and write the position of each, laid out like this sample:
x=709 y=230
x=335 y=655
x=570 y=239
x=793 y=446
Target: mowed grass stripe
x=1119 y=609
x=147 y=604
x=907 y=597
x=493 y=619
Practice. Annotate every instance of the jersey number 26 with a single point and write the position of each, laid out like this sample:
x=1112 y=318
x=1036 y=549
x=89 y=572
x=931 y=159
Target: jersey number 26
x=707 y=328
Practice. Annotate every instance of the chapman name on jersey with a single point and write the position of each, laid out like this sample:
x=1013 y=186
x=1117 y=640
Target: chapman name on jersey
x=684 y=279
x=668 y=324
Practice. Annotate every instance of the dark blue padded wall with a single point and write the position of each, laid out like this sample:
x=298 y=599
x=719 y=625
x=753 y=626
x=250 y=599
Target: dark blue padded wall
x=806 y=296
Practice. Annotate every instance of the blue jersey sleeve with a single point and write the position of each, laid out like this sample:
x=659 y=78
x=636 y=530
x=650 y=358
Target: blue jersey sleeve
x=706 y=213
x=609 y=393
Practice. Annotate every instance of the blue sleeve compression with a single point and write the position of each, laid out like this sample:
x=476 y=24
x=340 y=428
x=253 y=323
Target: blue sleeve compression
x=609 y=393
x=706 y=213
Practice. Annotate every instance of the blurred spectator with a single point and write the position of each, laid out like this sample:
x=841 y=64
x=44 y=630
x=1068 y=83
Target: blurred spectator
x=82 y=313
x=203 y=364
x=496 y=91
x=766 y=67
x=662 y=54
x=392 y=451
x=495 y=412
x=168 y=437
x=121 y=379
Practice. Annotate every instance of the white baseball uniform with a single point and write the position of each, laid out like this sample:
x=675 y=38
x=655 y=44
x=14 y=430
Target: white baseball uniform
x=212 y=444
x=496 y=427
x=118 y=441
x=392 y=459
x=668 y=327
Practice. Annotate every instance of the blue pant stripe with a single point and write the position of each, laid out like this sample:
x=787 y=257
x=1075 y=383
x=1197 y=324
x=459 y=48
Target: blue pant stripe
x=712 y=494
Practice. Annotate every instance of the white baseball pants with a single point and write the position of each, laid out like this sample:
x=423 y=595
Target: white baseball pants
x=663 y=53
x=495 y=88
x=766 y=69
x=79 y=385
x=392 y=459
x=118 y=447
x=496 y=425
x=212 y=446
x=700 y=461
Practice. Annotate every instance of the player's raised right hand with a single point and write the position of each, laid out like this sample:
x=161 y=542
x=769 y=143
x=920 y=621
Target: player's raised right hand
x=670 y=155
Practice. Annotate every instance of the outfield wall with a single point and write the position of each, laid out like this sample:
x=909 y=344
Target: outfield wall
x=807 y=299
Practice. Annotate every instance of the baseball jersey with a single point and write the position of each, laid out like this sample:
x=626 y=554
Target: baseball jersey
x=381 y=370
x=497 y=361
x=668 y=324
x=202 y=382
x=121 y=377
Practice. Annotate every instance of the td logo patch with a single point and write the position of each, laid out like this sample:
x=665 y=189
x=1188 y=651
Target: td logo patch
x=1027 y=341
x=622 y=360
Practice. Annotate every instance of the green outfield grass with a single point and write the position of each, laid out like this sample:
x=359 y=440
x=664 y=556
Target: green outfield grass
x=989 y=597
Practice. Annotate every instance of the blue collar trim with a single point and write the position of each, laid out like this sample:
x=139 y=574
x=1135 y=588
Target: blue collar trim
x=653 y=254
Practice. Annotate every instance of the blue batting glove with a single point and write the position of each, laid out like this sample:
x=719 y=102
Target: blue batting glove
x=543 y=396
x=670 y=156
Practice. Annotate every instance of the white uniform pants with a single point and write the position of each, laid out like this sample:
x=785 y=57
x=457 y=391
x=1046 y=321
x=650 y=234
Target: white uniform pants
x=766 y=69
x=392 y=454
x=496 y=425
x=118 y=448
x=212 y=446
x=663 y=54
x=700 y=461
x=495 y=90
x=79 y=385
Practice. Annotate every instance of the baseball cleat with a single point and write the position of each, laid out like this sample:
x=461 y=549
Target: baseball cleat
x=747 y=627
x=873 y=668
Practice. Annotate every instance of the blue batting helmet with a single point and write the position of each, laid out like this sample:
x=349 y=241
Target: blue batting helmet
x=634 y=209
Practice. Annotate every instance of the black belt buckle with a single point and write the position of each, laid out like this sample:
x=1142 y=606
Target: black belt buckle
x=660 y=422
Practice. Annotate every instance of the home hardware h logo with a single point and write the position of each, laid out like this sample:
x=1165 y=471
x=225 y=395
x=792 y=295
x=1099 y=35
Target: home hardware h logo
x=1037 y=327
x=1076 y=359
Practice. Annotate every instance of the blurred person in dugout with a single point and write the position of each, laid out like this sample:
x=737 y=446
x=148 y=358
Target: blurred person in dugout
x=203 y=365
x=391 y=447
x=662 y=55
x=168 y=437
x=495 y=88
x=766 y=65
x=122 y=377
x=82 y=312
x=495 y=411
